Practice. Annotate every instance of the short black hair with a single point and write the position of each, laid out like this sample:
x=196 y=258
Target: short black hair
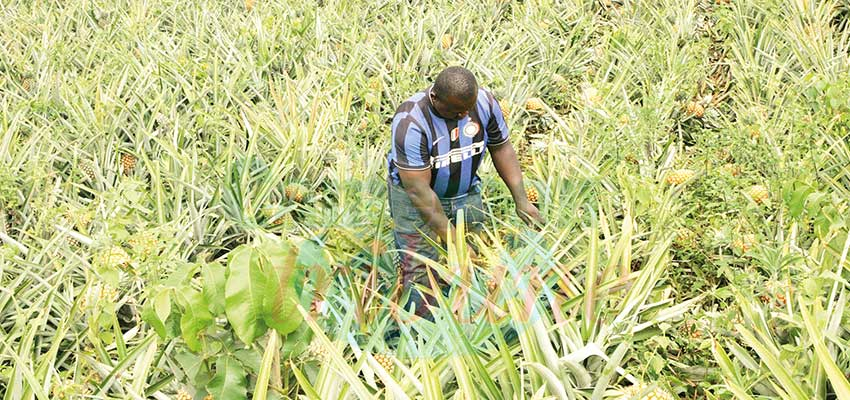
x=456 y=82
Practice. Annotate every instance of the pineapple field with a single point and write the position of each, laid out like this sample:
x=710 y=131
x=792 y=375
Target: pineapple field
x=193 y=201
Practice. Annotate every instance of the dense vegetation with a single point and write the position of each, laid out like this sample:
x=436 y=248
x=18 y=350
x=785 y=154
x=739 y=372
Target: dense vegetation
x=193 y=200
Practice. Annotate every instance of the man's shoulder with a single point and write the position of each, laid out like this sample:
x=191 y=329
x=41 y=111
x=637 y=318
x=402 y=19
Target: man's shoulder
x=410 y=104
x=485 y=95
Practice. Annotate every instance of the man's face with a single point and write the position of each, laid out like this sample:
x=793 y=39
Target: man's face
x=452 y=107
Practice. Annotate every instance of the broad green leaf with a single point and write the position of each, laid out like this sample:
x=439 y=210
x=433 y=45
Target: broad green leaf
x=196 y=317
x=162 y=304
x=244 y=290
x=279 y=301
x=310 y=254
x=229 y=382
x=213 y=278
x=149 y=315
x=250 y=359
x=193 y=366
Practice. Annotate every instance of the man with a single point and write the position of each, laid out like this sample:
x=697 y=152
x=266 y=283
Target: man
x=439 y=139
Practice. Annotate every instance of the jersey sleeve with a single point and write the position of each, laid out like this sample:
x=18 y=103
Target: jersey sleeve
x=497 y=128
x=410 y=144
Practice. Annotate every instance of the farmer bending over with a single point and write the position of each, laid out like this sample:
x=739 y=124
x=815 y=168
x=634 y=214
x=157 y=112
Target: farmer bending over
x=439 y=139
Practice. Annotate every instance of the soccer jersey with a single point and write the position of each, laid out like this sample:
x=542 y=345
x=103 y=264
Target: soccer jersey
x=452 y=149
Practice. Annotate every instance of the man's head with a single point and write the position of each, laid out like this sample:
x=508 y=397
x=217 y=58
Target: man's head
x=454 y=93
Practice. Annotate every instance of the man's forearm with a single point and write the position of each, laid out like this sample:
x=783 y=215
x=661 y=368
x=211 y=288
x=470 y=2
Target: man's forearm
x=507 y=165
x=428 y=205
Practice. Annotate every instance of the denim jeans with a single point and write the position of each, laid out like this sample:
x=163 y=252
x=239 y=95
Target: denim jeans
x=409 y=232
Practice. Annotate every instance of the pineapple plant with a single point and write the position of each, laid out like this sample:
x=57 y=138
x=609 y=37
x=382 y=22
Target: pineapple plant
x=182 y=394
x=534 y=104
x=758 y=193
x=446 y=41
x=640 y=389
x=679 y=176
x=532 y=195
x=128 y=162
x=695 y=109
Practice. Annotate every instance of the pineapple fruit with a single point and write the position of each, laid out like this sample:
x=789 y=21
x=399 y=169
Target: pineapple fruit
x=27 y=84
x=685 y=238
x=295 y=192
x=560 y=82
x=446 y=41
x=532 y=195
x=377 y=246
x=144 y=243
x=316 y=351
x=695 y=109
x=114 y=256
x=732 y=169
x=128 y=162
x=744 y=242
x=758 y=193
x=88 y=169
x=679 y=176
x=182 y=394
x=386 y=361
x=208 y=397
x=534 y=104
x=249 y=5
x=635 y=390
x=506 y=109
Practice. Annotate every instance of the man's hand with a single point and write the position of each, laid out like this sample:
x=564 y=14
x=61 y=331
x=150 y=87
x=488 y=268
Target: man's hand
x=530 y=214
x=507 y=165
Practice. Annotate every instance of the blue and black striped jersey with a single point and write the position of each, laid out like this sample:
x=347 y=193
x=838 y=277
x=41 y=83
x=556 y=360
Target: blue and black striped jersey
x=452 y=149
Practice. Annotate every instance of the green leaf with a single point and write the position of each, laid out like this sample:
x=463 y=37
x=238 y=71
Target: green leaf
x=279 y=302
x=213 y=278
x=310 y=254
x=250 y=359
x=196 y=317
x=229 y=382
x=244 y=290
x=193 y=366
x=162 y=304
x=149 y=316
x=797 y=202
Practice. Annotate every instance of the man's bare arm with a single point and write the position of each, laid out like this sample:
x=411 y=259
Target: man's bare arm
x=417 y=184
